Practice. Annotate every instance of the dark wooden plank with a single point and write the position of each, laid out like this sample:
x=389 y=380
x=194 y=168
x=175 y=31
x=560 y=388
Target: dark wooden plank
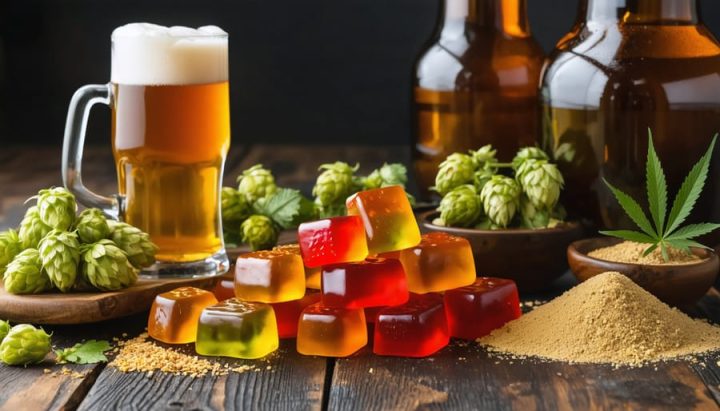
x=286 y=381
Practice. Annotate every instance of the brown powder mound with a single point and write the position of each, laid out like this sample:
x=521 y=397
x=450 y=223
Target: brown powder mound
x=631 y=252
x=607 y=319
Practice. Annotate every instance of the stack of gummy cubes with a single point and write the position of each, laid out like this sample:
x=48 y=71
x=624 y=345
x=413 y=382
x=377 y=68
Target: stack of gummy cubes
x=371 y=267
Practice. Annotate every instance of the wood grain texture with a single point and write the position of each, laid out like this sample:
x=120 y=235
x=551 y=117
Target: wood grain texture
x=285 y=381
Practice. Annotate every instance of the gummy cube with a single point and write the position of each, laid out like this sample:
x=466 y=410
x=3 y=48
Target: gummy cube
x=440 y=262
x=331 y=332
x=475 y=310
x=370 y=283
x=269 y=276
x=288 y=314
x=417 y=328
x=332 y=241
x=388 y=218
x=312 y=274
x=174 y=315
x=224 y=289
x=239 y=329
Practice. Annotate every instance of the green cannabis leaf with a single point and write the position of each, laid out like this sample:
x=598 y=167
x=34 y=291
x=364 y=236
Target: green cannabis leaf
x=88 y=352
x=662 y=233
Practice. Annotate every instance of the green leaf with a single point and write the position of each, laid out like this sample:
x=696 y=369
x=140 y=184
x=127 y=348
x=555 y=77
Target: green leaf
x=282 y=207
x=89 y=352
x=628 y=235
x=633 y=210
x=650 y=249
x=656 y=186
x=307 y=211
x=692 y=231
x=689 y=191
x=685 y=244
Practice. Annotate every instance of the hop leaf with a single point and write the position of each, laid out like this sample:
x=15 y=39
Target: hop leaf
x=255 y=183
x=501 y=199
x=60 y=255
x=235 y=207
x=457 y=169
x=9 y=247
x=24 y=345
x=283 y=207
x=134 y=242
x=57 y=207
x=259 y=232
x=528 y=153
x=91 y=226
x=106 y=266
x=24 y=275
x=336 y=182
x=32 y=229
x=461 y=207
x=541 y=181
x=88 y=352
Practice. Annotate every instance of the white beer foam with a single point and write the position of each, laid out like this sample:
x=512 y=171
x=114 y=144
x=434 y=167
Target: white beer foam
x=148 y=54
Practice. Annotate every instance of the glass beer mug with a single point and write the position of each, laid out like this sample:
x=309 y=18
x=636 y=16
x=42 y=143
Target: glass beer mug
x=169 y=97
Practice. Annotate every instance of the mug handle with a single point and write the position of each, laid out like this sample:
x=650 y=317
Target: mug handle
x=75 y=127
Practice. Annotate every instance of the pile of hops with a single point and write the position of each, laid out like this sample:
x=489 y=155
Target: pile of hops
x=55 y=249
x=256 y=211
x=476 y=194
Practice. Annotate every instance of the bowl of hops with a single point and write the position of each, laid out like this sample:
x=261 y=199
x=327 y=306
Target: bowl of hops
x=509 y=212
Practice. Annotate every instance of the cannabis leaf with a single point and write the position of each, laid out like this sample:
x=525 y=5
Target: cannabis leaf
x=659 y=232
x=88 y=352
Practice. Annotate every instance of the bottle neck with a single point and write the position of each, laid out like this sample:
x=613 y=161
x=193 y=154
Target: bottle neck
x=506 y=16
x=642 y=11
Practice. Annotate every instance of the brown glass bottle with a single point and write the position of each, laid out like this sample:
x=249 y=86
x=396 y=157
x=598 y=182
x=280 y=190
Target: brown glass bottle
x=476 y=84
x=630 y=65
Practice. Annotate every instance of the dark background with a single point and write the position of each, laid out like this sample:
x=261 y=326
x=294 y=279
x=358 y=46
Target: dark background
x=308 y=71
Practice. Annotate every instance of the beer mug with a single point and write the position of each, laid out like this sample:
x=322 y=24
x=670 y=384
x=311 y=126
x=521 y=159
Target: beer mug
x=169 y=97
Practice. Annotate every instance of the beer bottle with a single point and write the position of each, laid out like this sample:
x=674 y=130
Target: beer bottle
x=630 y=65
x=476 y=84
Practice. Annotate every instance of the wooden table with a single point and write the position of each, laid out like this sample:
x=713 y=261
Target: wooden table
x=462 y=376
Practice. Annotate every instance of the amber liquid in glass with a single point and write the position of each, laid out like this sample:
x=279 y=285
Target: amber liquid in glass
x=170 y=144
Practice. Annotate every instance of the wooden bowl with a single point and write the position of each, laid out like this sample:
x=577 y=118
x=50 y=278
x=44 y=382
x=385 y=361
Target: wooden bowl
x=532 y=258
x=678 y=285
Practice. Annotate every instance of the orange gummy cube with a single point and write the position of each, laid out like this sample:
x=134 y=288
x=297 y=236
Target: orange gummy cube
x=174 y=315
x=331 y=332
x=387 y=217
x=440 y=262
x=312 y=274
x=269 y=276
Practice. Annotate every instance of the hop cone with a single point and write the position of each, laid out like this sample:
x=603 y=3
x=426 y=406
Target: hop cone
x=461 y=207
x=335 y=183
x=106 y=266
x=92 y=226
x=4 y=329
x=60 y=255
x=501 y=199
x=533 y=217
x=133 y=242
x=388 y=175
x=9 y=247
x=24 y=275
x=481 y=177
x=57 y=207
x=255 y=183
x=456 y=170
x=484 y=156
x=528 y=153
x=24 y=344
x=32 y=229
x=541 y=181
x=259 y=232
x=234 y=206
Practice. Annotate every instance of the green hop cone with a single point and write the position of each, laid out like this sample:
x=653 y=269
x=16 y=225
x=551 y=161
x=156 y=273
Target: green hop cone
x=336 y=182
x=461 y=207
x=501 y=199
x=533 y=217
x=10 y=246
x=24 y=274
x=255 y=183
x=528 y=153
x=388 y=175
x=259 y=232
x=4 y=329
x=481 y=177
x=541 y=181
x=234 y=207
x=32 y=229
x=57 y=207
x=24 y=345
x=484 y=157
x=60 y=255
x=92 y=226
x=106 y=267
x=133 y=242
x=456 y=170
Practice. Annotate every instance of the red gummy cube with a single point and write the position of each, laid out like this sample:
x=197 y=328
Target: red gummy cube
x=332 y=241
x=475 y=310
x=224 y=289
x=288 y=313
x=370 y=283
x=417 y=328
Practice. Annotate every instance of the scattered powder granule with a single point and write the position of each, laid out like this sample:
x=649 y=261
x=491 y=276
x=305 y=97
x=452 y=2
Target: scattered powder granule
x=606 y=319
x=631 y=252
